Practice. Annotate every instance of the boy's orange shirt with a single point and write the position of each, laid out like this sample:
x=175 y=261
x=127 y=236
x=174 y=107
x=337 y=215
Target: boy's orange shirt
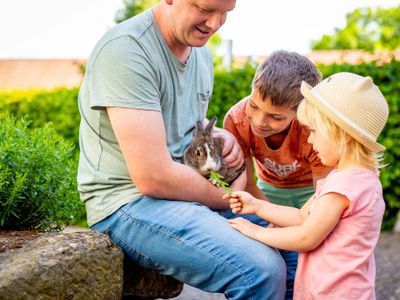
x=292 y=165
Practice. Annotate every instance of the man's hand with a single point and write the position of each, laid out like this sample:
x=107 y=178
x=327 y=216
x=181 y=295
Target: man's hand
x=232 y=152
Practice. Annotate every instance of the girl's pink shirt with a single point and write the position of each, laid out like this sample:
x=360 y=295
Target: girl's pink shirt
x=343 y=266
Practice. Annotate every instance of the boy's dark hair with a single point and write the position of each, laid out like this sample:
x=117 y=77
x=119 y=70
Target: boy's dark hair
x=279 y=78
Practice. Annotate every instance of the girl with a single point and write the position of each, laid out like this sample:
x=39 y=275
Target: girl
x=337 y=230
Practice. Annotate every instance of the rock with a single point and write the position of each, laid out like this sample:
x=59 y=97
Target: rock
x=74 y=265
x=140 y=283
x=80 y=265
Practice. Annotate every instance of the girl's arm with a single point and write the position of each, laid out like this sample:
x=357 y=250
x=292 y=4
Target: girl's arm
x=305 y=237
x=280 y=215
x=244 y=203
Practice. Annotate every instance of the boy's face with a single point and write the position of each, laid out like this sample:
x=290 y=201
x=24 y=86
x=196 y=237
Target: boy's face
x=265 y=119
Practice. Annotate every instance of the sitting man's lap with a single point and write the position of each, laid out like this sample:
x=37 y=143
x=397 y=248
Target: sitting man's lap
x=197 y=246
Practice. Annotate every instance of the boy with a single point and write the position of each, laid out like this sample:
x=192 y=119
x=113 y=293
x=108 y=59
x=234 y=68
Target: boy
x=266 y=127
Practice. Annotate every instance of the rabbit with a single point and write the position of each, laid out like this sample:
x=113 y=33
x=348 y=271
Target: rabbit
x=204 y=154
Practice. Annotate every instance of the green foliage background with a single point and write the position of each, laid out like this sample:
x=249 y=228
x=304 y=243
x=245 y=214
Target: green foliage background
x=60 y=107
x=366 y=28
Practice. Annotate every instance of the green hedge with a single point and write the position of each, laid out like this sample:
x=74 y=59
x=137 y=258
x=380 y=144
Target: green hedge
x=229 y=88
x=60 y=107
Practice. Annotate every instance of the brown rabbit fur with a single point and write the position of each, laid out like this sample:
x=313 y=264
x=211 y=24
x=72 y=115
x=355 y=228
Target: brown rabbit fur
x=204 y=154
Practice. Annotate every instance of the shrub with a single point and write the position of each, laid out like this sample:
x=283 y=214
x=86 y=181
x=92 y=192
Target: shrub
x=37 y=177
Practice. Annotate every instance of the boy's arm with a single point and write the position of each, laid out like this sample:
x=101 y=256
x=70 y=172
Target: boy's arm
x=311 y=233
x=251 y=186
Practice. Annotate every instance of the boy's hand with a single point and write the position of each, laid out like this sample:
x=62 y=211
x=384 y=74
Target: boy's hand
x=242 y=202
x=244 y=226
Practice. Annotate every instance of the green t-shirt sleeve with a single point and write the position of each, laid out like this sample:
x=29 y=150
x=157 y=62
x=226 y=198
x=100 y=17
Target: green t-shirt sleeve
x=122 y=75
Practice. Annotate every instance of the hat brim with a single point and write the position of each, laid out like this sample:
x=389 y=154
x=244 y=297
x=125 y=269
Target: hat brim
x=338 y=118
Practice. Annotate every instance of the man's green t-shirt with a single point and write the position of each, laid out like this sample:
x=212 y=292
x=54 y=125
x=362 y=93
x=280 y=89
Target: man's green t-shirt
x=132 y=66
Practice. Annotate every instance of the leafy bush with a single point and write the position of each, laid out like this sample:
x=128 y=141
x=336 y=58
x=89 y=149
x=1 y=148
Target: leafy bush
x=37 y=177
x=58 y=106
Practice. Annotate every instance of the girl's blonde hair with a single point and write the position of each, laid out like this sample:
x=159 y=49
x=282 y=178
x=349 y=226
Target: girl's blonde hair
x=310 y=116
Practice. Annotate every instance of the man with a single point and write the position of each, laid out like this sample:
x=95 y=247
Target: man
x=147 y=82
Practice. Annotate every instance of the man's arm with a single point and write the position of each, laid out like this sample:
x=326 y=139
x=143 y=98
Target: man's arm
x=141 y=137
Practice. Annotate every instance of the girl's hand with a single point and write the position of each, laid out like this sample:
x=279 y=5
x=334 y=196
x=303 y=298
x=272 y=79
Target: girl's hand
x=244 y=226
x=242 y=202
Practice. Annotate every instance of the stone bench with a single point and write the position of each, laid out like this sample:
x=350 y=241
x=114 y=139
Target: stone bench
x=77 y=265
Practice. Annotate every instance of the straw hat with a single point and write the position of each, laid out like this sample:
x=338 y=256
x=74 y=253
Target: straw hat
x=353 y=103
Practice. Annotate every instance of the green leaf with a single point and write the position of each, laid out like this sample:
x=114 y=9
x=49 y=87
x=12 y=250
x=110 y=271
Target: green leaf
x=216 y=179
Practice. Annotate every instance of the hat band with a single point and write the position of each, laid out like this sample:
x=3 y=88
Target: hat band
x=342 y=116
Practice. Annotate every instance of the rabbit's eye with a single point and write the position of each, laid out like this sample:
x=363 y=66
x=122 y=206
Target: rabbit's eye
x=198 y=153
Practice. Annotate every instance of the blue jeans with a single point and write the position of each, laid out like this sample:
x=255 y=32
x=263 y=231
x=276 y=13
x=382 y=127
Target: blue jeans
x=196 y=246
x=290 y=257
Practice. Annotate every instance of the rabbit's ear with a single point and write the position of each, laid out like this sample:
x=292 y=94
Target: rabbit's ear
x=210 y=125
x=199 y=129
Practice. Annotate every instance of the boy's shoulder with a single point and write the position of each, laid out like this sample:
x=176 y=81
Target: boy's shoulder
x=238 y=111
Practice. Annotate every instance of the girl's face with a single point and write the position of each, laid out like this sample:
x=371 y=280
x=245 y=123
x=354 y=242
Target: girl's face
x=327 y=150
x=265 y=119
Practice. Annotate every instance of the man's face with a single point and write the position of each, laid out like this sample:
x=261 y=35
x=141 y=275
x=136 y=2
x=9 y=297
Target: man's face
x=194 y=21
x=265 y=119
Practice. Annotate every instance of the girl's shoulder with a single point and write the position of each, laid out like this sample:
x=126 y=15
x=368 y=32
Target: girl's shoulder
x=352 y=183
x=352 y=173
